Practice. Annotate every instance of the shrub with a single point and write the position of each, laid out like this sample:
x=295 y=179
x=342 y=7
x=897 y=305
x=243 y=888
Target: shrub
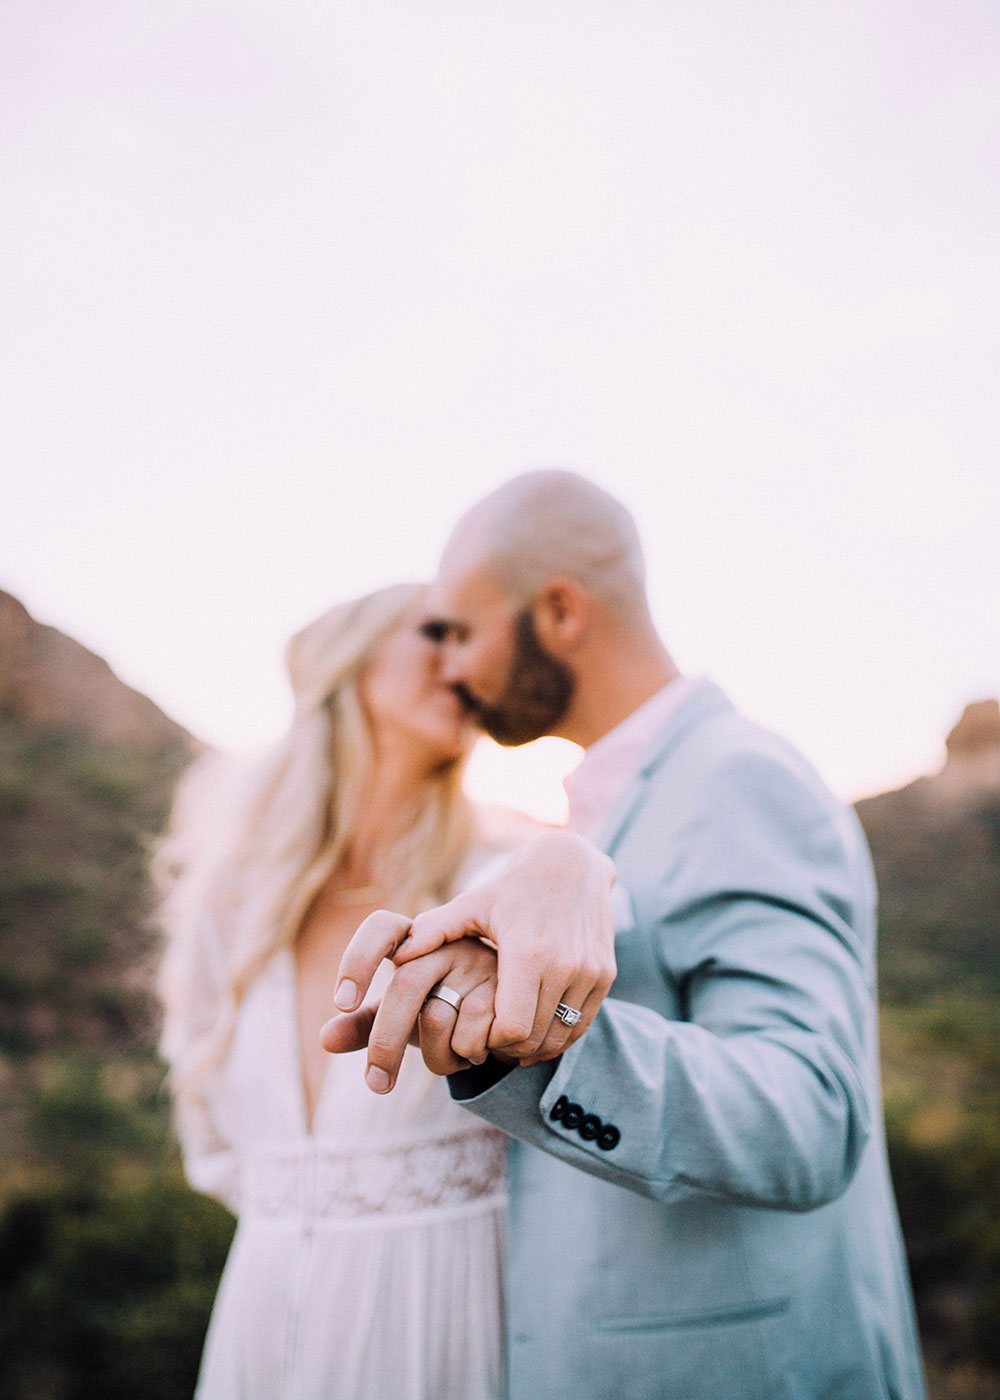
x=105 y=1291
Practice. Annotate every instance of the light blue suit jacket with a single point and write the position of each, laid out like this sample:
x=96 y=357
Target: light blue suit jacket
x=700 y=1202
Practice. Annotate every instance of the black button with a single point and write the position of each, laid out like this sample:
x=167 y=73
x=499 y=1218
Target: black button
x=559 y=1108
x=608 y=1137
x=572 y=1115
x=590 y=1127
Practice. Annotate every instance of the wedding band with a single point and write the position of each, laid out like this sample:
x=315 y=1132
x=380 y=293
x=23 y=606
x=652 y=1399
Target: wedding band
x=567 y=1014
x=446 y=994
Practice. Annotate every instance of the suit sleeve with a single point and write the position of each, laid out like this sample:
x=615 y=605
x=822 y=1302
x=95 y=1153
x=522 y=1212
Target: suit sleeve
x=756 y=1086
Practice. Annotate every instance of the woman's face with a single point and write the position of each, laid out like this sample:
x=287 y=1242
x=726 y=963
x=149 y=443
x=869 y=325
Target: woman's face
x=405 y=697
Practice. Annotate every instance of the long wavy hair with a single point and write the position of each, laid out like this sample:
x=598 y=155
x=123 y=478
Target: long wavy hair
x=247 y=851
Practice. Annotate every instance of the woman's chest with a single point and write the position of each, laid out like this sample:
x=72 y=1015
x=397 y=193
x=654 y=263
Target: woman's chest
x=263 y=1078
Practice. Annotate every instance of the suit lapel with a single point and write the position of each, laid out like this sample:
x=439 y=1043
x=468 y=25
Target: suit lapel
x=704 y=702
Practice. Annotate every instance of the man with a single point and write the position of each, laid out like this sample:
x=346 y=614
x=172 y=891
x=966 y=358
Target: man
x=700 y=1201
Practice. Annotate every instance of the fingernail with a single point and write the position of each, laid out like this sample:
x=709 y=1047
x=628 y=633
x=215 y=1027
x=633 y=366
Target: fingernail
x=378 y=1080
x=346 y=995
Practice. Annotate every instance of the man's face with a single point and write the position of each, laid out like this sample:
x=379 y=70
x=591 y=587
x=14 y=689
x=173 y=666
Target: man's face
x=493 y=658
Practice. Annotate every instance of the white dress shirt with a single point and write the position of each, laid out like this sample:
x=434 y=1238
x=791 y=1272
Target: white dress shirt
x=611 y=761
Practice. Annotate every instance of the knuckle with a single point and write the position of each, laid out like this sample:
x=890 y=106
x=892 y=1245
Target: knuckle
x=506 y=1031
x=479 y=1002
x=423 y=921
x=437 y=1059
x=383 y=923
x=467 y=1048
x=436 y=1018
x=410 y=979
x=382 y=1048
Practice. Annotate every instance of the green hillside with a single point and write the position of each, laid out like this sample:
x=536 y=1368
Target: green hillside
x=108 y=1263
x=938 y=866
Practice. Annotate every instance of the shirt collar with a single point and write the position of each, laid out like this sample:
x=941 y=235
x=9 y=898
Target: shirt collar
x=608 y=764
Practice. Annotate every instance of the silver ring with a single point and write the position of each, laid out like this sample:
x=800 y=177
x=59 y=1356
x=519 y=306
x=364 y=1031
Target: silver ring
x=446 y=994
x=567 y=1014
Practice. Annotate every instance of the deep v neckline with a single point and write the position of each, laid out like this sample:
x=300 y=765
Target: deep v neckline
x=307 y=1125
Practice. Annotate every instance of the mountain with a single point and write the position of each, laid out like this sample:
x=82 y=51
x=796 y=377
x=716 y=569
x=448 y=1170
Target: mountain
x=51 y=682
x=86 y=769
x=108 y=1264
x=973 y=765
x=936 y=848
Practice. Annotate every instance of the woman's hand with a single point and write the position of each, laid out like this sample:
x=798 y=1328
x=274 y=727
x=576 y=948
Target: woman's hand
x=549 y=915
x=450 y=1040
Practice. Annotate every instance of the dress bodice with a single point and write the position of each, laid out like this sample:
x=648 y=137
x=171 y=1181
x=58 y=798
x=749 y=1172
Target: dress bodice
x=366 y=1155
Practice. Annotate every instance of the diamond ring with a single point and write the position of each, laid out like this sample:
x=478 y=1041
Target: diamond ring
x=567 y=1014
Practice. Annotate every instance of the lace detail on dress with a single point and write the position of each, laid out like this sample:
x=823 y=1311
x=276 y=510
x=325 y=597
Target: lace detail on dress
x=317 y=1181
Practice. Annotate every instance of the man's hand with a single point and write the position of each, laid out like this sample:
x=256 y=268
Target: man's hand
x=549 y=915
x=450 y=1040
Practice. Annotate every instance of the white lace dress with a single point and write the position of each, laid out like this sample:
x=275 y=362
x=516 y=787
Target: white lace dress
x=367 y=1262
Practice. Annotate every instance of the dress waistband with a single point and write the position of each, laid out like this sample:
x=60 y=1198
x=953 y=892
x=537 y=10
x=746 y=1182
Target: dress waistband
x=314 y=1180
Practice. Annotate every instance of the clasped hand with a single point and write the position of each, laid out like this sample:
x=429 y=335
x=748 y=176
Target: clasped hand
x=548 y=917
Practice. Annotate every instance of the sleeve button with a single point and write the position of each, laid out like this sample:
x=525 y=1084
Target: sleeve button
x=558 y=1108
x=572 y=1115
x=609 y=1137
x=590 y=1127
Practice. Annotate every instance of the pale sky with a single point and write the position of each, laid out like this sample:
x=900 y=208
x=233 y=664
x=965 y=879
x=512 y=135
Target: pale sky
x=287 y=285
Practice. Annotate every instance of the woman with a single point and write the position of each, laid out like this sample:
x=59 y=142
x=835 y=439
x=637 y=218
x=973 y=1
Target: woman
x=367 y=1259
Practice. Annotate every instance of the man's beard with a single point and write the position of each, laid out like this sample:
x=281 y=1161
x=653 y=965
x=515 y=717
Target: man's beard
x=536 y=694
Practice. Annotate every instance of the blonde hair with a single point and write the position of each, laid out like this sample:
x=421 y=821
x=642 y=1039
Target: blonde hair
x=550 y=522
x=245 y=856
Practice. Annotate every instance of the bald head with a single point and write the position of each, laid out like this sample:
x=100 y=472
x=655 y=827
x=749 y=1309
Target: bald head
x=550 y=524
